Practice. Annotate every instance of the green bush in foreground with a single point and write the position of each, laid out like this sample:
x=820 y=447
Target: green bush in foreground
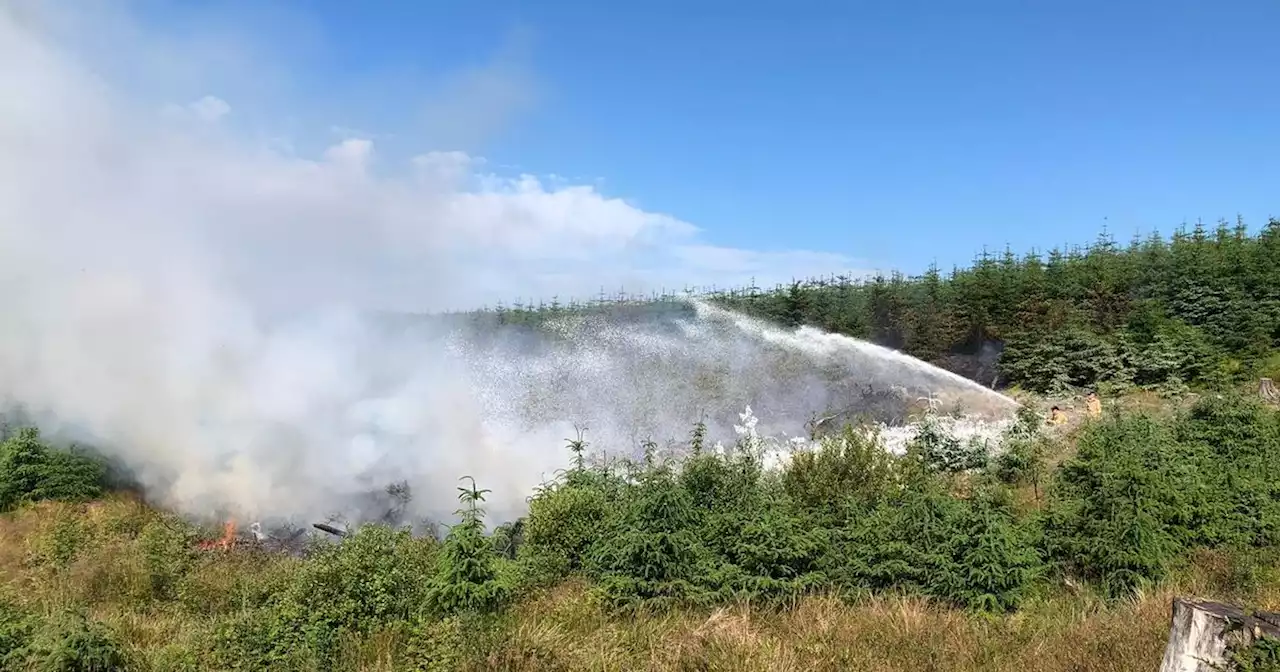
x=466 y=578
x=1140 y=494
x=718 y=528
x=1125 y=511
x=66 y=642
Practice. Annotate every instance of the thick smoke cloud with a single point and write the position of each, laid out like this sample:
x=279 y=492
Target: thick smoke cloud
x=200 y=305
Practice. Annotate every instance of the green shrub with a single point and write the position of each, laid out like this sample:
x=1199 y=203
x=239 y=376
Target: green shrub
x=995 y=560
x=1263 y=655
x=1238 y=441
x=436 y=645
x=32 y=471
x=466 y=578
x=67 y=642
x=508 y=538
x=451 y=643
x=972 y=553
x=650 y=555
x=846 y=471
x=1123 y=510
x=758 y=546
x=66 y=535
x=265 y=639
x=167 y=555
x=1022 y=451
x=16 y=630
x=562 y=524
x=376 y=578
x=941 y=452
x=373 y=578
x=565 y=518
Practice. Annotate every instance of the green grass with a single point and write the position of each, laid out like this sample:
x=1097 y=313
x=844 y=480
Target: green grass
x=1064 y=558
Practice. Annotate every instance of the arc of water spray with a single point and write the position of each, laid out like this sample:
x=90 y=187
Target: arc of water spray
x=816 y=341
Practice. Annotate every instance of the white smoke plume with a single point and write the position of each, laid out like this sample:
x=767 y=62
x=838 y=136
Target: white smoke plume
x=198 y=303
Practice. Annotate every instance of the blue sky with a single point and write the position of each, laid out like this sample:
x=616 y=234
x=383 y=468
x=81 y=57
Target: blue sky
x=890 y=132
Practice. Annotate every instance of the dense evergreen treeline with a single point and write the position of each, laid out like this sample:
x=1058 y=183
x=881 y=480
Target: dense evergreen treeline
x=1201 y=306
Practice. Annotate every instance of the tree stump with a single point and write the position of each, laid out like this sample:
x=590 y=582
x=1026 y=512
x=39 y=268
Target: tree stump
x=1202 y=634
x=1267 y=390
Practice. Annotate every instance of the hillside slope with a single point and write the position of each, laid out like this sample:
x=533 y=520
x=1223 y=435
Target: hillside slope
x=1052 y=548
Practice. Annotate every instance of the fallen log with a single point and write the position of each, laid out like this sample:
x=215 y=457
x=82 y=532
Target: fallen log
x=1202 y=634
x=330 y=529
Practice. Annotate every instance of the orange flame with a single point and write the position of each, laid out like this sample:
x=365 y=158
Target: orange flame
x=228 y=538
x=228 y=535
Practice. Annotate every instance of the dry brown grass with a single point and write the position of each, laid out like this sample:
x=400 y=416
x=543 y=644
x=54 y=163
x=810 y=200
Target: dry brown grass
x=887 y=633
x=564 y=630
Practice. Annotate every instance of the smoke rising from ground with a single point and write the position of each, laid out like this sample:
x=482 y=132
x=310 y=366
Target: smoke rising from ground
x=199 y=306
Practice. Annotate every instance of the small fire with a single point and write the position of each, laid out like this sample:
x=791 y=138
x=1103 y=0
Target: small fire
x=227 y=540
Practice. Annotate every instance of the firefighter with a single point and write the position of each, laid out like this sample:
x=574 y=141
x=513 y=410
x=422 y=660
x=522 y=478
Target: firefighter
x=1093 y=405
